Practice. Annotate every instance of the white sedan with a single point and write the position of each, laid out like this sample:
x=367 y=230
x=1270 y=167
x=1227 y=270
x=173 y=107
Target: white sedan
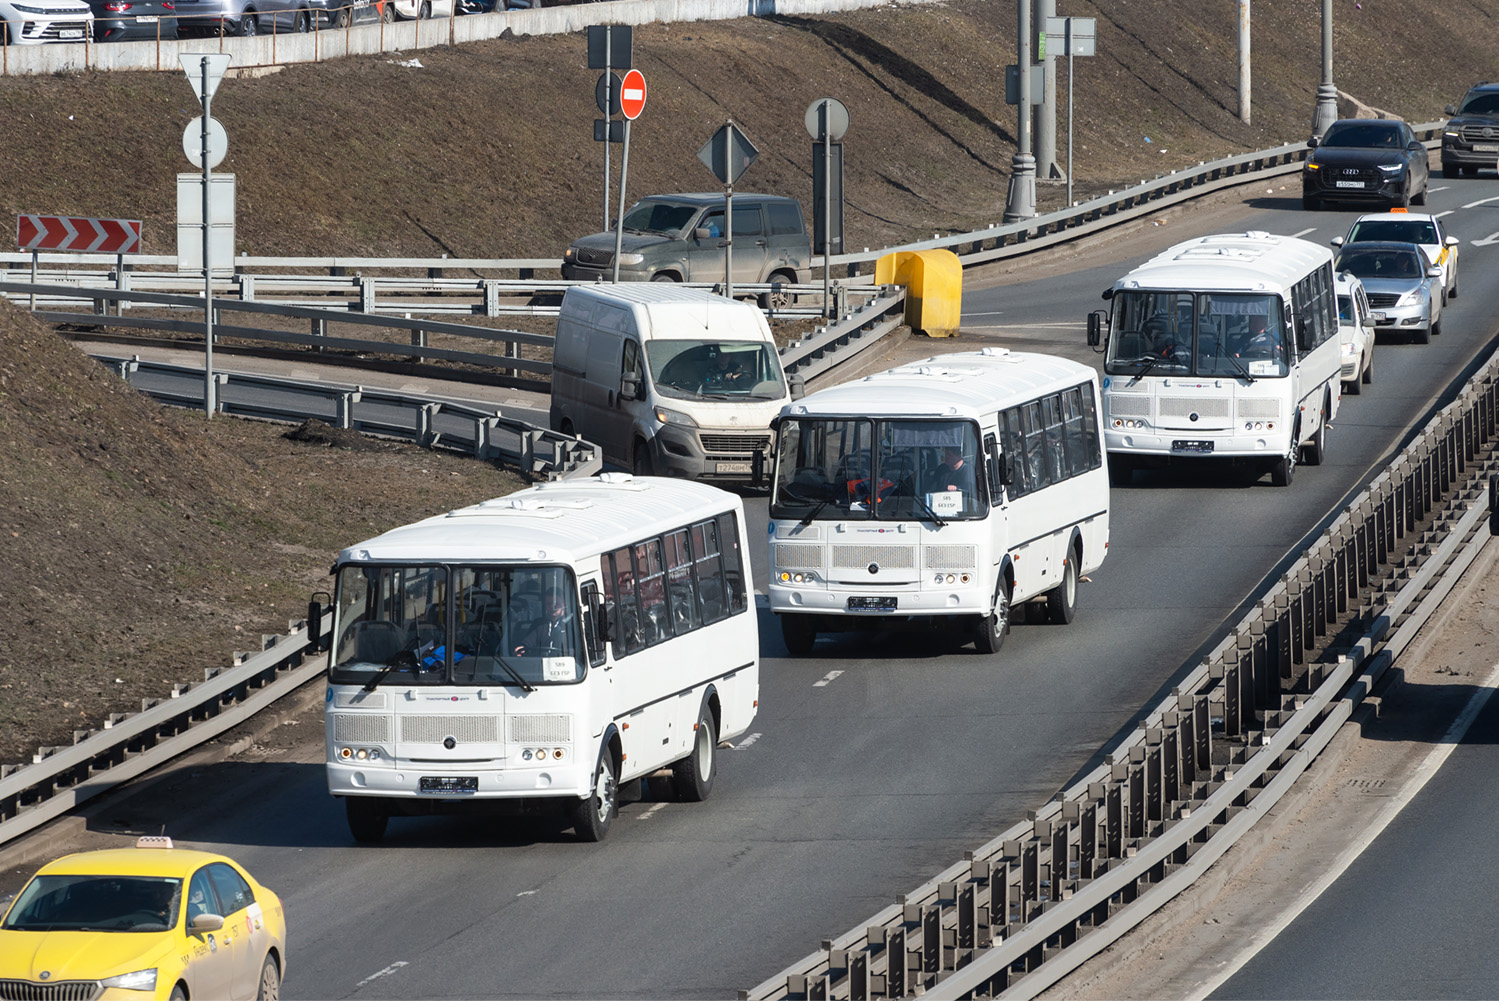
x=31 y=22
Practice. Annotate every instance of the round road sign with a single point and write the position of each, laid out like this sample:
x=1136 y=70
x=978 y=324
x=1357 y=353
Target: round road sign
x=192 y=142
x=632 y=95
x=837 y=119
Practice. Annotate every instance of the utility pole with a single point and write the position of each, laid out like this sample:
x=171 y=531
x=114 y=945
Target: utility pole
x=1327 y=94
x=1021 y=202
x=1046 y=111
x=1244 y=61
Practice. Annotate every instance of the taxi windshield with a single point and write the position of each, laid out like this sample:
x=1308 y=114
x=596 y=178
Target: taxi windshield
x=96 y=903
x=1398 y=230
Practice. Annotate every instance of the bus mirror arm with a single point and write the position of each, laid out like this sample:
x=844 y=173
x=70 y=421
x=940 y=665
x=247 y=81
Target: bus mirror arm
x=1095 y=330
x=757 y=466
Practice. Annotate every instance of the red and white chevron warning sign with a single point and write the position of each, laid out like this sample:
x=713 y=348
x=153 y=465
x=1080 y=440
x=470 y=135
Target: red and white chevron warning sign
x=51 y=232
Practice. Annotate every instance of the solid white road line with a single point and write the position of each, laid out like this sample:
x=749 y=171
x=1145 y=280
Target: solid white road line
x=1423 y=774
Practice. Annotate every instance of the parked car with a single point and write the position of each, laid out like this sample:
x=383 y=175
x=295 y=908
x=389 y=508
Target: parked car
x=31 y=22
x=1422 y=229
x=123 y=20
x=680 y=238
x=1365 y=159
x=1356 y=332
x=421 y=10
x=209 y=17
x=153 y=921
x=1401 y=283
x=1471 y=138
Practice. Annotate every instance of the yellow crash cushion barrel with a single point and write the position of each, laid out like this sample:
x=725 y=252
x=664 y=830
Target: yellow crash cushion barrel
x=934 y=288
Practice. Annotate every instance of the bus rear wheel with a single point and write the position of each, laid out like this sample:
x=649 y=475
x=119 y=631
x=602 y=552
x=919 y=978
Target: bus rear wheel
x=799 y=633
x=1061 y=601
x=367 y=819
x=694 y=773
x=990 y=634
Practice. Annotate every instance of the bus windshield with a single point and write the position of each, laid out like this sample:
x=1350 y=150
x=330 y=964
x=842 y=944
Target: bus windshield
x=714 y=370
x=456 y=625
x=887 y=470
x=1202 y=333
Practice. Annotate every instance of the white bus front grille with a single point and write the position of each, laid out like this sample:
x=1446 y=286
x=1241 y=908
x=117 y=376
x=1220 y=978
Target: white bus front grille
x=1202 y=406
x=799 y=557
x=361 y=728
x=540 y=729
x=464 y=729
x=889 y=557
x=950 y=557
x=1129 y=405
x=1259 y=410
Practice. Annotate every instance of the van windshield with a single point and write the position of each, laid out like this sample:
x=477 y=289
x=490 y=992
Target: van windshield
x=653 y=216
x=716 y=370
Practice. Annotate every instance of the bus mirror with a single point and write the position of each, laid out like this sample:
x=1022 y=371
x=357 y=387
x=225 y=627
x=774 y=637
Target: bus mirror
x=1095 y=329
x=1108 y=293
x=757 y=466
x=315 y=621
x=798 y=386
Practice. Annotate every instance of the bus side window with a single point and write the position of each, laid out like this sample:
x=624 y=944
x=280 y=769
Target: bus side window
x=1013 y=439
x=992 y=467
x=651 y=575
x=628 y=637
x=733 y=567
x=710 y=592
x=1090 y=427
x=1077 y=446
x=681 y=595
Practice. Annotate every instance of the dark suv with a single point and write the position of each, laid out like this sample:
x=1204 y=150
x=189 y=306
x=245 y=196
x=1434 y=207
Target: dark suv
x=1471 y=138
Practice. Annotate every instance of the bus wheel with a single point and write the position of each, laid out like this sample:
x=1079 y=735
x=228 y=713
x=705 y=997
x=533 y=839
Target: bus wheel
x=1121 y=471
x=694 y=773
x=798 y=632
x=1061 y=601
x=1284 y=468
x=990 y=635
x=1313 y=451
x=592 y=816
x=367 y=819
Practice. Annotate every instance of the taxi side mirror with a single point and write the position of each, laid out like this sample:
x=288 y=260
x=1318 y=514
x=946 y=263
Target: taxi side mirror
x=206 y=923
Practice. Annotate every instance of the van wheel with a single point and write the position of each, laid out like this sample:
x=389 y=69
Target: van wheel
x=694 y=773
x=778 y=299
x=990 y=634
x=1061 y=601
x=799 y=633
x=367 y=819
x=591 y=817
x=642 y=464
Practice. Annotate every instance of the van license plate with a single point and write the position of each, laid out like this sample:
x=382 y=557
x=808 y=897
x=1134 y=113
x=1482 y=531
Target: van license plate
x=735 y=467
x=1191 y=446
x=870 y=604
x=449 y=783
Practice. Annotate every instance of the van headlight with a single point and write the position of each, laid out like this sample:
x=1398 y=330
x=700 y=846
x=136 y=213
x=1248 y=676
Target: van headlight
x=140 y=980
x=632 y=258
x=673 y=417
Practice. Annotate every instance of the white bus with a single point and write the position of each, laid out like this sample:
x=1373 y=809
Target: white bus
x=538 y=650
x=941 y=493
x=1221 y=347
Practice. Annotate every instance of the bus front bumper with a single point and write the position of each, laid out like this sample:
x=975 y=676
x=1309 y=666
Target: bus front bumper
x=571 y=779
x=1263 y=443
x=908 y=600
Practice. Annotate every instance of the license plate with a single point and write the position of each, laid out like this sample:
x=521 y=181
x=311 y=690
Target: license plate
x=70 y=33
x=734 y=467
x=1191 y=446
x=1485 y=148
x=865 y=604
x=449 y=783
x=1350 y=184
x=146 y=19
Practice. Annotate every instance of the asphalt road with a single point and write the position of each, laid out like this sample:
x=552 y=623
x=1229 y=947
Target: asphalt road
x=856 y=787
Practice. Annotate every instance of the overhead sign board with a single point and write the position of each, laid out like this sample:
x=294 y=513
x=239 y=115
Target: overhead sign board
x=51 y=232
x=632 y=95
x=192 y=65
x=728 y=154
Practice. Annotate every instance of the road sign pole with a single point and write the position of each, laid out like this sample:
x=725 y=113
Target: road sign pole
x=1071 y=86
x=827 y=211
x=619 y=227
x=608 y=146
x=728 y=215
x=208 y=400
x=35 y=257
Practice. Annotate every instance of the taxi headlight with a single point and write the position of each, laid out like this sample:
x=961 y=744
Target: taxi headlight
x=140 y=980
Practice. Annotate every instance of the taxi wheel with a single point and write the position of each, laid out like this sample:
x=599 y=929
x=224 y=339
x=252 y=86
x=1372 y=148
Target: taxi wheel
x=270 y=980
x=179 y=993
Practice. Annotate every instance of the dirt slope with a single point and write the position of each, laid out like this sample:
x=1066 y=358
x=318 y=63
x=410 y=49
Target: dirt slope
x=143 y=545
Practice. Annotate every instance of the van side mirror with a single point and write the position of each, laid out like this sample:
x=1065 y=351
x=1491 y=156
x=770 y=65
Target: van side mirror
x=1095 y=329
x=797 y=385
x=629 y=387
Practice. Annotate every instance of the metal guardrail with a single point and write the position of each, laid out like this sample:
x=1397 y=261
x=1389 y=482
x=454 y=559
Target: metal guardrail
x=1028 y=907
x=488 y=435
x=854 y=331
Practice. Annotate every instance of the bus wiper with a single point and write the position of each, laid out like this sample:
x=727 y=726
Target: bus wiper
x=1146 y=367
x=807 y=519
x=514 y=675
x=379 y=676
x=1242 y=370
x=930 y=513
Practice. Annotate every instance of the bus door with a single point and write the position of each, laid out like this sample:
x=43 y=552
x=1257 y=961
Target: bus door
x=997 y=472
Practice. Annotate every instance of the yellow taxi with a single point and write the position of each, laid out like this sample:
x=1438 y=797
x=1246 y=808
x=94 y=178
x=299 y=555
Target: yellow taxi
x=149 y=921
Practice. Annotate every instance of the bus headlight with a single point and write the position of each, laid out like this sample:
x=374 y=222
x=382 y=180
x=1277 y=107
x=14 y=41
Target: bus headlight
x=359 y=753
x=800 y=577
x=1132 y=423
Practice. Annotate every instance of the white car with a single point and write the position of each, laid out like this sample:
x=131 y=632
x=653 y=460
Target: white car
x=31 y=22
x=1421 y=228
x=421 y=10
x=1356 y=332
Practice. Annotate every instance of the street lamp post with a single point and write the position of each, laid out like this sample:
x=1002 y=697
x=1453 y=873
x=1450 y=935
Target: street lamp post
x=1327 y=95
x=1021 y=201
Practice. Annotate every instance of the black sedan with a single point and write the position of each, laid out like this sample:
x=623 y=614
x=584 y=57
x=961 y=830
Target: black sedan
x=123 y=20
x=1365 y=159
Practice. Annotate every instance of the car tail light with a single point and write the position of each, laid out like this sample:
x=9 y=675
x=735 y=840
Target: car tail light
x=117 y=6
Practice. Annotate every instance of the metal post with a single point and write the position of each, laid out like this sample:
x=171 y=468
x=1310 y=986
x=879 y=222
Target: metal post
x=1046 y=111
x=619 y=229
x=208 y=394
x=1021 y=203
x=1244 y=61
x=608 y=121
x=827 y=210
x=35 y=255
x=1327 y=95
x=728 y=228
x=1071 y=89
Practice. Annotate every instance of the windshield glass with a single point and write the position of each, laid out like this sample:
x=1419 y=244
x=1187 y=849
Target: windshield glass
x=664 y=218
x=1203 y=333
x=467 y=625
x=1388 y=263
x=714 y=370
x=97 y=903
x=1362 y=134
x=1398 y=230
x=1481 y=104
x=859 y=469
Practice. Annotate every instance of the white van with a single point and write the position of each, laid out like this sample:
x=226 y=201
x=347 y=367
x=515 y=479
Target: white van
x=668 y=380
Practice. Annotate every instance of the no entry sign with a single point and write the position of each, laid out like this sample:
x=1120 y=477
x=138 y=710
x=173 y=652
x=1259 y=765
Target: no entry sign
x=50 y=232
x=632 y=95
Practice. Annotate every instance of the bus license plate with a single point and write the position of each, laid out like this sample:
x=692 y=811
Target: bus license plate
x=1350 y=184
x=1191 y=446
x=735 y=467
x=868 y=604
x=449 y=783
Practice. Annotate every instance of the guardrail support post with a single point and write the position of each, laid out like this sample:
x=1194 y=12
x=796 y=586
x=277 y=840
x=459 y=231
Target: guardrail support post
x=246 y=286
x=346 y=403
x=366 y=294
x=319 y=329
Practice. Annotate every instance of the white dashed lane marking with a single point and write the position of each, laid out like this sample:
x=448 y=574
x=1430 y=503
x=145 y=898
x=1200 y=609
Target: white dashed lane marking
x=826 y=678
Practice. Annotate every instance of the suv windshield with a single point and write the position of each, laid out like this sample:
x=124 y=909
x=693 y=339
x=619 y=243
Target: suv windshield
x=651 y=215
x=464 y=625
x=1482 y=103
x=1197 y=333
x=715 y=370
x=1358 y=134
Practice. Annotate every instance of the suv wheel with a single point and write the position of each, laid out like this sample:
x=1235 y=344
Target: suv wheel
x=249 y=24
